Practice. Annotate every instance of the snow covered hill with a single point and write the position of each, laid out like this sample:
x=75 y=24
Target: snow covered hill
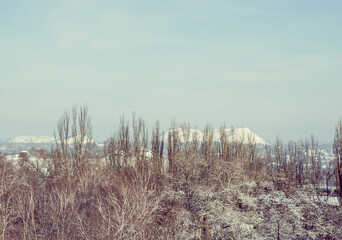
x=185 y=135
x=37 y=140
x=21 y=143
x=244 y=135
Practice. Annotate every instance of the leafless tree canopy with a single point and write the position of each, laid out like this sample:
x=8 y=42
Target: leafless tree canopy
x=174 y=185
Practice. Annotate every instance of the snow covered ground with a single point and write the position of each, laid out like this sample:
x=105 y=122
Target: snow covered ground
x=329 y=200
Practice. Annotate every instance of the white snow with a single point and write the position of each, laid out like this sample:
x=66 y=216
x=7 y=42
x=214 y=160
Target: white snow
x=13 y=158
x=32 y=139
x=35 y=162
x=329 y=200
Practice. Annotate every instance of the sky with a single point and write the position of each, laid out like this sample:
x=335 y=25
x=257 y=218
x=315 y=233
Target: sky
x=272 y=66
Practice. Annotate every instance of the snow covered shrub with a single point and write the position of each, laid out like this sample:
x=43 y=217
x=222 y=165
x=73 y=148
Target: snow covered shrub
x=295 y=216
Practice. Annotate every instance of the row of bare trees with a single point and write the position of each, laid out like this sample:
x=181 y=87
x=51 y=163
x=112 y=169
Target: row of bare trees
x=129 y=145
x=300 y=161
x=72 y=159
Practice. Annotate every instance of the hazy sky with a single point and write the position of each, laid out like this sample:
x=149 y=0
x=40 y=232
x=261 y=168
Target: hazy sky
x=272 y=66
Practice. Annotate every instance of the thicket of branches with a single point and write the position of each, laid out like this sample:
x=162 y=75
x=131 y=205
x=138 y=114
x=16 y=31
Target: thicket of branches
x=164 y=187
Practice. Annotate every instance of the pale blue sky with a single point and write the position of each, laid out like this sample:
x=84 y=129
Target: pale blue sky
x=272 y=66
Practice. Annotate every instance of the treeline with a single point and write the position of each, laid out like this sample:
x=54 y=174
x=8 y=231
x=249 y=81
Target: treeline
x=143 y=186
x=300 y=162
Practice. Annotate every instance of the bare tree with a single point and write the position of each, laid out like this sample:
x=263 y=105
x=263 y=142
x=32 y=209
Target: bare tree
x=82 y=131
x=157 y=147
x=63 y=132
x=173 y=147
x=111 y=152
x=224 y=148
x=208 y=143
x=124 y=139
x=61 y=159
x=338 y=160
x=315 y=157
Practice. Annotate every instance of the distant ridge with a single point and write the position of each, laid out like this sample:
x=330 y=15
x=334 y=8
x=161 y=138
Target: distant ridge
x=32 y=139
x=37 y=140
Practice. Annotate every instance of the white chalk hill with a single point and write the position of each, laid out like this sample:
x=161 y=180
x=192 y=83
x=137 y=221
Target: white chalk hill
x=244 y=135
x=31 y=139
x=38 y=140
